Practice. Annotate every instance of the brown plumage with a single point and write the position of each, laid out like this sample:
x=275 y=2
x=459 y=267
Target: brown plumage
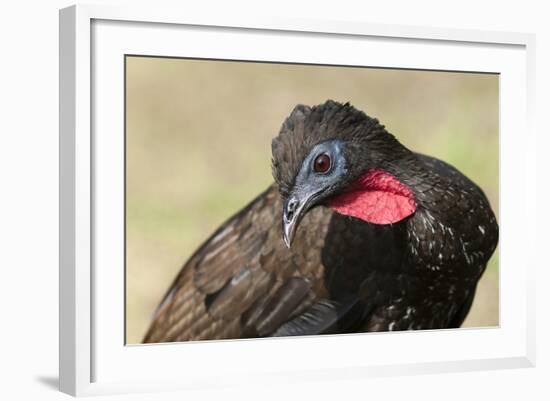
x=223 y=290
x=341 y=274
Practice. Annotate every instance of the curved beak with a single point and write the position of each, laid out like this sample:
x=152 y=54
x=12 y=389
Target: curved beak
x=293 y=210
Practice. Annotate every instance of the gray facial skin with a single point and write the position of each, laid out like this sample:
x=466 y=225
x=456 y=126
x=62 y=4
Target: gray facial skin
x=311 y=187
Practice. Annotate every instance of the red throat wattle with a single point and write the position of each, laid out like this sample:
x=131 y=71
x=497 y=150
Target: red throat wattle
x=376 y=197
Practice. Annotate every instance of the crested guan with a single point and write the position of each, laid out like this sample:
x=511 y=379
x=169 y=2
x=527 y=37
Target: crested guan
x=373 y=237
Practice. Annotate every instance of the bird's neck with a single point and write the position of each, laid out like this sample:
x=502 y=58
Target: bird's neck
x=376 y=197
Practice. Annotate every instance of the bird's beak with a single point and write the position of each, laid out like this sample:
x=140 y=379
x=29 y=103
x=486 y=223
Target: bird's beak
x=294 y=209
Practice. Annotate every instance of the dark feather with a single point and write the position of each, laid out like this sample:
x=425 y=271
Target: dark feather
x=341 y=274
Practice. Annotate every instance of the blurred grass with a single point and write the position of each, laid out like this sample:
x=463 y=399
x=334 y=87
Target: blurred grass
x=198 y=137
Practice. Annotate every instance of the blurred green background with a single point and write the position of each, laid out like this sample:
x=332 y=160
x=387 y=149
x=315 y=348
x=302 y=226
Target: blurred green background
x=198 y=148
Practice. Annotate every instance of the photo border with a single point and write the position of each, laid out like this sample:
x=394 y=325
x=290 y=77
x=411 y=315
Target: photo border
x=77 y=183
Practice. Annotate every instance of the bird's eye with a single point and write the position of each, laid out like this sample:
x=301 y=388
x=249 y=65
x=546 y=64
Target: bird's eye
x=322 y=163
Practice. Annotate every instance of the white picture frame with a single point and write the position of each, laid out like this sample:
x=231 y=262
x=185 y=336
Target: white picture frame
x=93 y=356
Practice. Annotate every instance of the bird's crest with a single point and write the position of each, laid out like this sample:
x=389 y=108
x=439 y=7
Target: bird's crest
x=307 y=126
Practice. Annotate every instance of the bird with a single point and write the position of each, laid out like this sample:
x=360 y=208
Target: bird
x=356 y=234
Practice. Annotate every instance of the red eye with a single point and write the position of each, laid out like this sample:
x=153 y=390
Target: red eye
x=321 y=163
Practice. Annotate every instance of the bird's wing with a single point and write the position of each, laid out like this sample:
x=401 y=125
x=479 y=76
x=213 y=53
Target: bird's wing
x=323 y=316
x=243 y=281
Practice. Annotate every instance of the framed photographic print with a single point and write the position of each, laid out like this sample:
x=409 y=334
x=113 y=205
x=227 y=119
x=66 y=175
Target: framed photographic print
x=289 y=198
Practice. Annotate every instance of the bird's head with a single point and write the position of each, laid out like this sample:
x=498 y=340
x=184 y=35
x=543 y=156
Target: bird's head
x=335 y=155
